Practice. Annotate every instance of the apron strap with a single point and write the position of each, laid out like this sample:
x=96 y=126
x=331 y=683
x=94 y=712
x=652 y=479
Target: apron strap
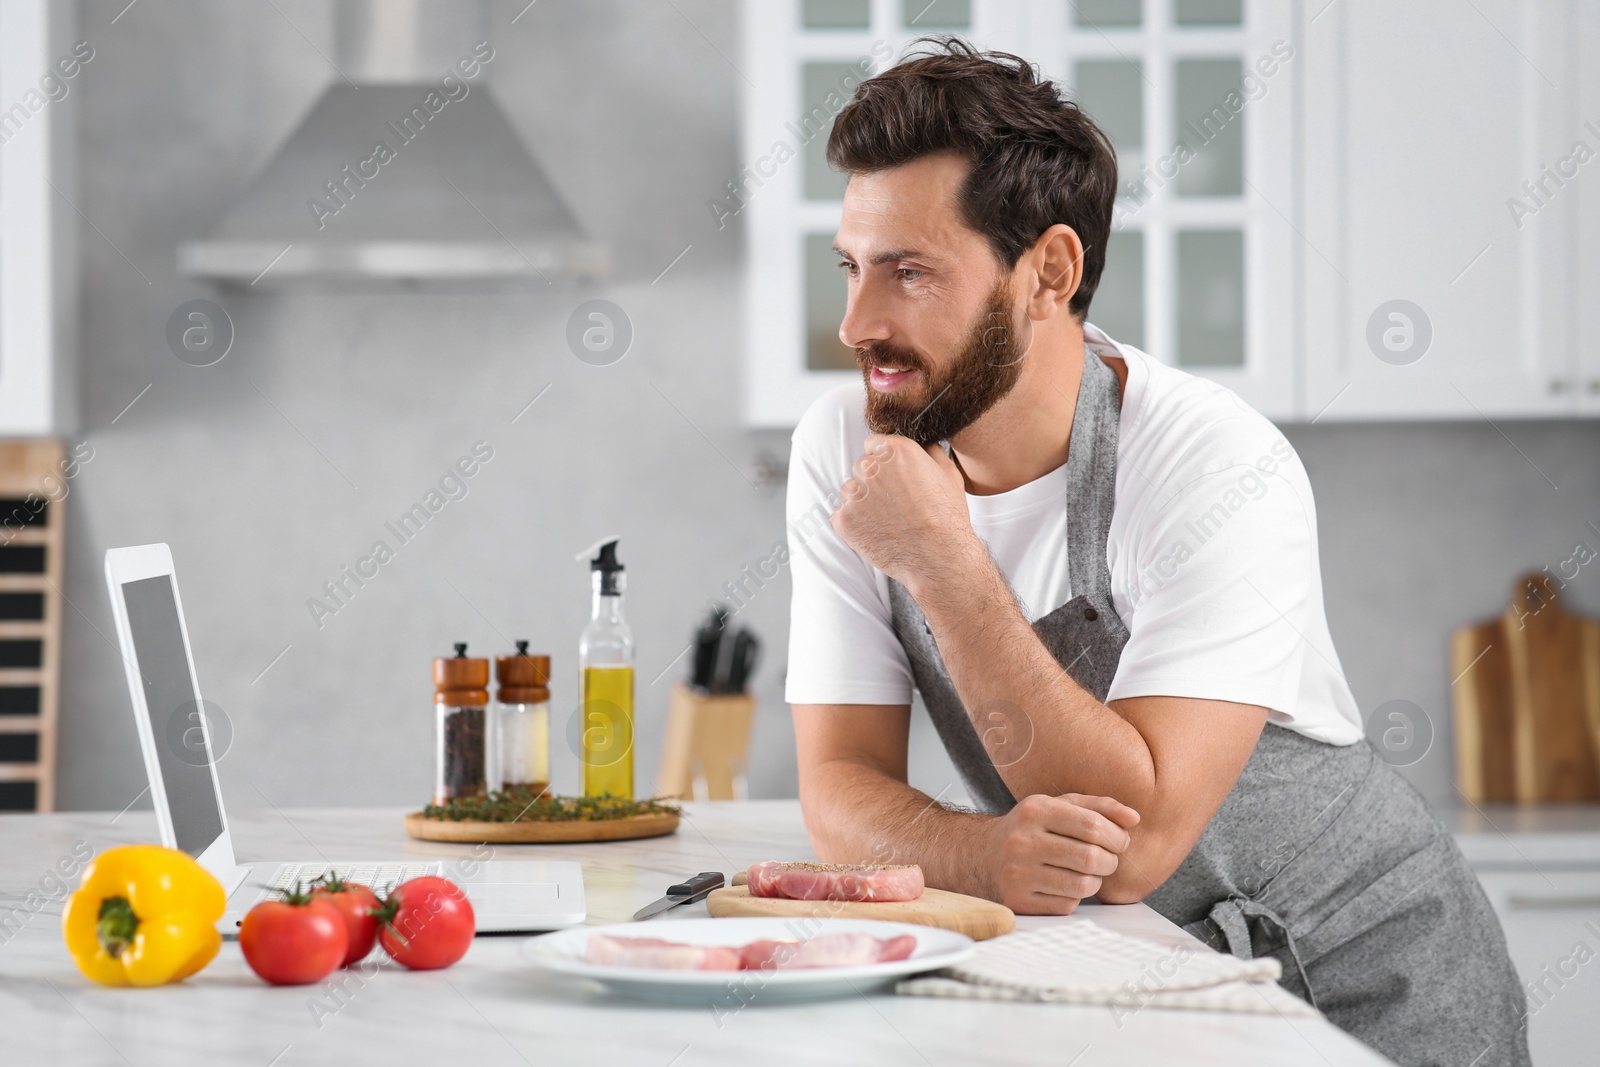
x=1092 y=477
x=1231 y=916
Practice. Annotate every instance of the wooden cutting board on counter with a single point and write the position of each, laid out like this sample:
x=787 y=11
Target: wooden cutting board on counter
x=1527 y=700
x=978 y=919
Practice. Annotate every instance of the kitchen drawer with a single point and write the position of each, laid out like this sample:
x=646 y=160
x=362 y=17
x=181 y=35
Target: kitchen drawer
x=1552 y=923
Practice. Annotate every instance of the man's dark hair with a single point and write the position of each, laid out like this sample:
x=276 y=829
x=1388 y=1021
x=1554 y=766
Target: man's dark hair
x=1036 y=158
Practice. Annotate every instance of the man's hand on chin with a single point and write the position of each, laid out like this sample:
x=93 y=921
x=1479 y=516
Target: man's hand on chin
x=1048 y=853
x=905 y=508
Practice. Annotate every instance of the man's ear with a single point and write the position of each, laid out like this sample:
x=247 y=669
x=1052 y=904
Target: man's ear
x=1056 y=269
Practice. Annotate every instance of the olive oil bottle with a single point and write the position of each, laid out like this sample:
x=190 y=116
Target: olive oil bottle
x=605 y=656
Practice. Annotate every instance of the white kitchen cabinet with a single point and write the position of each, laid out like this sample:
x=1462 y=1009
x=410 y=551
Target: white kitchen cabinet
x=1540 y=867
x=38 y=219
x=1417 y=225
x=1586 y=296
x=1200 y=99
x=1551 y=917
x=1423 y=121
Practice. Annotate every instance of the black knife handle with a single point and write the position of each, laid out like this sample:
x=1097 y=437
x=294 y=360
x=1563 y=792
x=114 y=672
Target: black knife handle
x=745 y=647
x=700 y=884
x=707 y=639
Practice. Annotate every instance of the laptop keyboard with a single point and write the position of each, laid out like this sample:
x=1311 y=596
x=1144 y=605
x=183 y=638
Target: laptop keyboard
x=379 y=877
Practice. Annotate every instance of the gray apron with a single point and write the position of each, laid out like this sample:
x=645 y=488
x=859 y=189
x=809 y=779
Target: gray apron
x=1322 y=856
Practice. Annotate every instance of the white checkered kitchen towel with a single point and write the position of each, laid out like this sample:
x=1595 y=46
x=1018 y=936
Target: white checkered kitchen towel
x=1079 y=962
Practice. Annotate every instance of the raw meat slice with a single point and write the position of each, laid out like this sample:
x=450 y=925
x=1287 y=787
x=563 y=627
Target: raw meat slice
x=835 y=881
x=821 y=950
x=825 y=950
x=610 y=951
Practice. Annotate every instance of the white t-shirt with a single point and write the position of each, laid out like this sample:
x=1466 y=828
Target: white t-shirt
x=1212 y=552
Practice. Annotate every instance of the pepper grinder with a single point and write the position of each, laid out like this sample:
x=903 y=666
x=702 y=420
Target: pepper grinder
x=462 y=734
x=522 y=722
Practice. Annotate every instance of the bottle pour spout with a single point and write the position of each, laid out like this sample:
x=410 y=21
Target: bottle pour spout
x=606 y=564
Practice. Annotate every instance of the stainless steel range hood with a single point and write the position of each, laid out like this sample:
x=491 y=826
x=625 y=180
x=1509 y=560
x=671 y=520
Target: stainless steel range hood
x=400 y=172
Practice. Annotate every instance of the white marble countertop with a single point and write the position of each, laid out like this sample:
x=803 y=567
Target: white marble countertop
x=1494 y=836
x=491 y=1008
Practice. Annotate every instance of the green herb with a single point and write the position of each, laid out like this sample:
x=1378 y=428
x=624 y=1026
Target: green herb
x=523 y=805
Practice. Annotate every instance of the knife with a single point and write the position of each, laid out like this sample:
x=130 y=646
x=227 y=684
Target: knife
x=696 y=888
x=707 y=641
x=745 y=646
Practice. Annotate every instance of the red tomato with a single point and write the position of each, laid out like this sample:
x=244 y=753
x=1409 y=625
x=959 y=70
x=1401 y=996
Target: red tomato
x=426 y=923
x=295 y=941
x=356 y=904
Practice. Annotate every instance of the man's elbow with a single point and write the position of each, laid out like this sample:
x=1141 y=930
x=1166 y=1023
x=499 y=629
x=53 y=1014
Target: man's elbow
x=825 y=842
x=824 y=823
x=1141 y=870
x=1120 y=888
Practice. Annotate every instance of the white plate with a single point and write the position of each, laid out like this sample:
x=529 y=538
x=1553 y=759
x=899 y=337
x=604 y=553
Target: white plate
x=563 y=953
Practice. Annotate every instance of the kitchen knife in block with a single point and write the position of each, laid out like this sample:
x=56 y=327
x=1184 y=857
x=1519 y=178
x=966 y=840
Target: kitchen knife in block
x=978 y=919
x=1527 y=701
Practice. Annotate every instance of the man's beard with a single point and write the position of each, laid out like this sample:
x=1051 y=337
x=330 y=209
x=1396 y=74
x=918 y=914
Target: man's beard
x=986 y=369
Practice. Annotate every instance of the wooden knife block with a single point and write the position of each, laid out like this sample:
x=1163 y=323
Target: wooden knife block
x=707 y=746
x=1527 y=701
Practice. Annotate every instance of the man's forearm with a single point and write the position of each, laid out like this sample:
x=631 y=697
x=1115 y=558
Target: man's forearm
x=855 y=813
x=1045 y=732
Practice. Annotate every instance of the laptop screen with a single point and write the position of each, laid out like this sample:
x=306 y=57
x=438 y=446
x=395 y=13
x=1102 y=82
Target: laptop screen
x=182 y=746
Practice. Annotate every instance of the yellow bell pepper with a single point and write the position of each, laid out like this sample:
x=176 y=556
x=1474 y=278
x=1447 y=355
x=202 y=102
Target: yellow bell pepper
x=143 y=916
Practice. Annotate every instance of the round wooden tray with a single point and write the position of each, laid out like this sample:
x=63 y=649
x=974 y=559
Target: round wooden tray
x=539 y=832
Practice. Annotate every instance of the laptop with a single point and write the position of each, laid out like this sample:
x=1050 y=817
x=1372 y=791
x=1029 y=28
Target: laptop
x=507 y=895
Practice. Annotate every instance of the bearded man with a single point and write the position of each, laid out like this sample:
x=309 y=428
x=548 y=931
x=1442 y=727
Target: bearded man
x=1101 y=574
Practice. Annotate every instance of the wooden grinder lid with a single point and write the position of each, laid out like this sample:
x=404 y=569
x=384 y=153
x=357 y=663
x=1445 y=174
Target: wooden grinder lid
x=460 y=680
x=523 y=678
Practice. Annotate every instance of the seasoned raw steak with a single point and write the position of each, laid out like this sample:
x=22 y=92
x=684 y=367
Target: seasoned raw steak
x=835 y=881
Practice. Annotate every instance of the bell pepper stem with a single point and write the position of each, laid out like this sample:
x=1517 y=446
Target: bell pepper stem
x=117 y=926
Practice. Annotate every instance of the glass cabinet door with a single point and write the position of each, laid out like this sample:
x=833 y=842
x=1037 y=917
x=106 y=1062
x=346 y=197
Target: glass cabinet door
x=1196 y=101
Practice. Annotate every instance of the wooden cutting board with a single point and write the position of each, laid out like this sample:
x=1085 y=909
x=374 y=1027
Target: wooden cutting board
x=1527 y=700
x=978 y=919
